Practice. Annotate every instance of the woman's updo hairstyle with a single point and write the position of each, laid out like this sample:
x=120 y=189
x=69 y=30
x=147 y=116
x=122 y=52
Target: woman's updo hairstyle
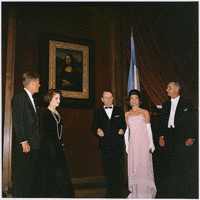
x=50 y=94
x=134 y=92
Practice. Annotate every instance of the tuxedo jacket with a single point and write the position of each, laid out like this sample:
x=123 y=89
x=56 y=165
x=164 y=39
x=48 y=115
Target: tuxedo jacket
x=112 y=141
x=184 y=120
x=25 y=120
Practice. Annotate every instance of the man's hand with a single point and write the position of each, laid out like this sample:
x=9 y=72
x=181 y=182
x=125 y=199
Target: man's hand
x=161 y=142
x=121 y=132
x=100 y=132
x=26 y=147
x=189 y=142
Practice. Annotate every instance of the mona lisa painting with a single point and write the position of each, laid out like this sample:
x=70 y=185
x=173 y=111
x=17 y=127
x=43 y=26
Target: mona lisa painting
x=71 y=70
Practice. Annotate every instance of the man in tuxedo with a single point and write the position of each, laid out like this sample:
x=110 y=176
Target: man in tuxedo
x=109 y=126
x=176 y=135
x=26 y=140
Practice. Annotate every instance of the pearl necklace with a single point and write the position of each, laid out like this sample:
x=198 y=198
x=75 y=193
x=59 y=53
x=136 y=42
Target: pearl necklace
x=57 y=122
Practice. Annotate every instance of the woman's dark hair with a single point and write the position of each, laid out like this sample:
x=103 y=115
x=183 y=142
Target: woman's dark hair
x=134 y=92
x=50 y=94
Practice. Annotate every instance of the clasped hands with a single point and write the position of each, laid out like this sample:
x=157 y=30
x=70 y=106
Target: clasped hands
x=189 y=142
x=101 y=133
x=67 y=83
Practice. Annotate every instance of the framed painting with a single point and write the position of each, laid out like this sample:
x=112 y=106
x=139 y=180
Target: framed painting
x=68 y=65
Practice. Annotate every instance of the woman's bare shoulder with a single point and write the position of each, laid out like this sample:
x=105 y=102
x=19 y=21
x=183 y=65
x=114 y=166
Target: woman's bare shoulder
x=127 y=113
x=144 y=111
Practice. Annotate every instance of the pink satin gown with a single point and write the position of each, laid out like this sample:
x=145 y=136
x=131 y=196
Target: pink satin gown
x=140 y=166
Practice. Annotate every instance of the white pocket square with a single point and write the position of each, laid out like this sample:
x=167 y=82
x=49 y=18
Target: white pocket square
x=117 y=116
x=185 y=109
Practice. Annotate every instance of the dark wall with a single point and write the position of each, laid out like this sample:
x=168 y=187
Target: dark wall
x=78 y=21
x=5 y=12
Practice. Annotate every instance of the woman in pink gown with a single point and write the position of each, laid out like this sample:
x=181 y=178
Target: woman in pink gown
x=139 y=146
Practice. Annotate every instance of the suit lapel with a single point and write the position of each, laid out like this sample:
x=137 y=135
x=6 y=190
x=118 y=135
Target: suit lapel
x=36 y=105
x=169 y=107
x=104 y=113
x=113 y=113
x=178 y=108
x=29 y=101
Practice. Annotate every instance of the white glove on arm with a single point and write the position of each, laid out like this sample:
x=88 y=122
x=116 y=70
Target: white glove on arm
x=148 y=126
x=126 y=138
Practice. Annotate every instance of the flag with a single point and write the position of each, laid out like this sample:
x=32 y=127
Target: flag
x=133 y=78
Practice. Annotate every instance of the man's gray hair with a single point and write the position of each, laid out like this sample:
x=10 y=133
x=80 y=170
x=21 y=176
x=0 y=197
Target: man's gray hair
x=177 y=84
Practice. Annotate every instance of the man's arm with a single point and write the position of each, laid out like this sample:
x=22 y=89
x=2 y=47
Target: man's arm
x=193 y=132
x=123 y=123
x=18 y=123
x=96 y=124
x=193 y=121
x=163 y=125
x=17 y=117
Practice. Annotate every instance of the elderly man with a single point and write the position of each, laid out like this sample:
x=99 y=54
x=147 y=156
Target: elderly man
x=177 y=133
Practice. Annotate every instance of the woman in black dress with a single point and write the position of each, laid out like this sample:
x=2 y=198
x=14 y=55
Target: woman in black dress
x=56 y=181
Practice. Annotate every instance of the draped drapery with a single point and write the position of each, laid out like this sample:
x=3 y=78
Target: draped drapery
x=166 y=43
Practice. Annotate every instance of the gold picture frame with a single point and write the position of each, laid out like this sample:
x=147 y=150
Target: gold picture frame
x=69 y=64
x=53 y=45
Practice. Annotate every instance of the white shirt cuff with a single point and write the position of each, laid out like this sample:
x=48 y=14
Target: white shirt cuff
x=23 y=142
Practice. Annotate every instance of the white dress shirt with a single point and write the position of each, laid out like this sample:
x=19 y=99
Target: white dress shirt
x=174 y=103
x=31 y=98
x=109 y=111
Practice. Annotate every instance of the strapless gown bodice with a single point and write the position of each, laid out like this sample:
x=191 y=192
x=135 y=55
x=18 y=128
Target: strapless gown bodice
x=138 y=132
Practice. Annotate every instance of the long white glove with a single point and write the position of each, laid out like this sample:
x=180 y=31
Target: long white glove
x=126 y=138
x=151 y=145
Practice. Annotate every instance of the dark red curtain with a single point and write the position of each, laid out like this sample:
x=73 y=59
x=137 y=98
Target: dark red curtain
x=166 y=43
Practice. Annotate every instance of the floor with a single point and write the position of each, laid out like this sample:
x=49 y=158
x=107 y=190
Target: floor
x=84 y=193
x=90 y=193
x=97 y=190
x=100 y=192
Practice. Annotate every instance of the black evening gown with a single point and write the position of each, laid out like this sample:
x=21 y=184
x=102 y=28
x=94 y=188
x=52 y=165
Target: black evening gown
x=56 y=180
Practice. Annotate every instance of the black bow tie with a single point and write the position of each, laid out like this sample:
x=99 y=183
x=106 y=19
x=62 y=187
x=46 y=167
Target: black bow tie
x=108 y=107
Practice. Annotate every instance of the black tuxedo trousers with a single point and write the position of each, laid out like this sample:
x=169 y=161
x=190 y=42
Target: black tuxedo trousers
x=25 y=173
x=178 y=171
